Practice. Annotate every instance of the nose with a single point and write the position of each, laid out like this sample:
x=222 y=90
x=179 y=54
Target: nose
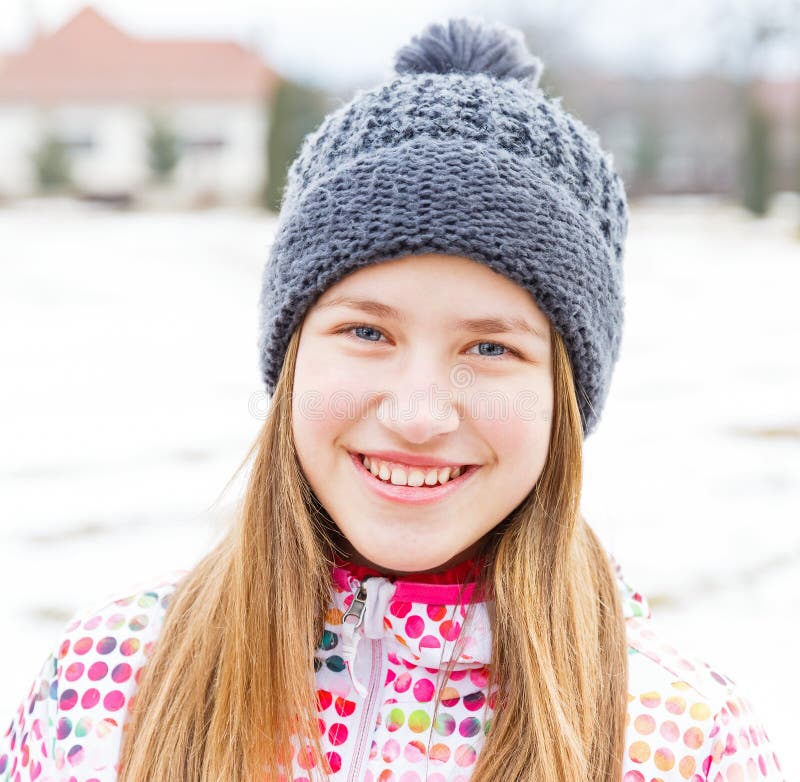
x=417 y=411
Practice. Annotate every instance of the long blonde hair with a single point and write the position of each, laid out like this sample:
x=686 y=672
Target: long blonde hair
x=231 y=677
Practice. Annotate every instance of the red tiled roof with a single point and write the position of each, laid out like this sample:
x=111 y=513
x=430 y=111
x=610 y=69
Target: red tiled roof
x=89 y=58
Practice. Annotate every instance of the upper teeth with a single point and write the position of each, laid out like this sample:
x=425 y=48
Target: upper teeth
x=405 y=475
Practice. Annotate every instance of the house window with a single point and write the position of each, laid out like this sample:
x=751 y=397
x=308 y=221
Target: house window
x=76 y=142
x=202 y=143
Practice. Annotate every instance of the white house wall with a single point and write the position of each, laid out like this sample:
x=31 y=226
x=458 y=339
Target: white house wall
x=115 y=129
x=237 y=170
x=18 y=137
x=117 y=160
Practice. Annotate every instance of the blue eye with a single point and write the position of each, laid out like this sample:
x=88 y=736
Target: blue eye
x=496 y=345
x=360 y=329
x=363 y=329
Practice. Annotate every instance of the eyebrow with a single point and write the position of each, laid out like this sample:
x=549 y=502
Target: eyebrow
x=493 y=324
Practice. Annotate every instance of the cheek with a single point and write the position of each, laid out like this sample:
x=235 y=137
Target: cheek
x=327 y=400
x=519 y=437
x=323 y=363
x=327 y=384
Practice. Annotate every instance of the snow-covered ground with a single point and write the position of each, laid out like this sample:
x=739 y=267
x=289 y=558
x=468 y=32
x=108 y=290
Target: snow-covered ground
x=130 y=394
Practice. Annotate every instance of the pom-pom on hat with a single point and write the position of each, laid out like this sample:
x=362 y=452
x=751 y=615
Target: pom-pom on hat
x=460 y=152
x=467 y=47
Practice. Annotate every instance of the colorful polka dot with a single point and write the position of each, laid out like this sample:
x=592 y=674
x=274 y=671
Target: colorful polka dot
x=419 y=720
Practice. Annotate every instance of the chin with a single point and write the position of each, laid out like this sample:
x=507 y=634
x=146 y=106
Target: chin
x=393 y=564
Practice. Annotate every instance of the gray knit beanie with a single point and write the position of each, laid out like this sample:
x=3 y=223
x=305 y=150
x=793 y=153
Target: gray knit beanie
x=460 y=153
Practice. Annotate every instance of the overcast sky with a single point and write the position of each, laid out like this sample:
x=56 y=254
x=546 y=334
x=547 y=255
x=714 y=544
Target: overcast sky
x=344 y=43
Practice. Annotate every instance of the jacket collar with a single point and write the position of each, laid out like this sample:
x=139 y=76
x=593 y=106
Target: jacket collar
x=453 y=586
x=421 y=616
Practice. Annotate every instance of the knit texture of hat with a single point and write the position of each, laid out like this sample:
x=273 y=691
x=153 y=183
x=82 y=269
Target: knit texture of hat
x=460 y=152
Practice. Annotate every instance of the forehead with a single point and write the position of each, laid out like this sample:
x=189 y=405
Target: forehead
x=441 y=294
x=434 y=283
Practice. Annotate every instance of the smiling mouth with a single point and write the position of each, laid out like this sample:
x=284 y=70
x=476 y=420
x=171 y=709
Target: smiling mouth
x=396 y=474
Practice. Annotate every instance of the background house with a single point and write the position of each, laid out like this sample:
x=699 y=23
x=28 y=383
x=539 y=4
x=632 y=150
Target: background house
x=119 y=116
x=691 y=134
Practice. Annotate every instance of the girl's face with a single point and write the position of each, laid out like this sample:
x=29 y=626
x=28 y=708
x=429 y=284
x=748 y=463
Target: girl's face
x=441 y=361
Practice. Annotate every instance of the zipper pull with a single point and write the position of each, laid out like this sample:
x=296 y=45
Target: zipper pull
x=356 y=607
x=351 y=621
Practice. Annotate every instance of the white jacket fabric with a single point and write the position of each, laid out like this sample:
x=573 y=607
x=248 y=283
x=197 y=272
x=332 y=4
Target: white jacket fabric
x=376 y=685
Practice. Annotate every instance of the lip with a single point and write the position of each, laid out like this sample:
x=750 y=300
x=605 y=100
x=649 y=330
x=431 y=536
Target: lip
x=410 y=459
x=412 y=495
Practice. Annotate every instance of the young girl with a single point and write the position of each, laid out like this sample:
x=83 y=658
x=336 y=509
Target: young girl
x=410 y=591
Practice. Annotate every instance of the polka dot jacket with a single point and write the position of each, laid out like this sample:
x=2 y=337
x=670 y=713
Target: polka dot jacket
x=376 y=665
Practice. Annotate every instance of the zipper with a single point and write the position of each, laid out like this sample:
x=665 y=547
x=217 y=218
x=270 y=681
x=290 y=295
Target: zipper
x=356 y=610
x=367 y=718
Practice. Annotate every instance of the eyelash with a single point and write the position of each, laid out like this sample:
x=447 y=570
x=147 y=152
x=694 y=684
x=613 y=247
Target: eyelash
x=352 y=326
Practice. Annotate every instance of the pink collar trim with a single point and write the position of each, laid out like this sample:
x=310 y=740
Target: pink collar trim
x=413 y=592
x=447 y=588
